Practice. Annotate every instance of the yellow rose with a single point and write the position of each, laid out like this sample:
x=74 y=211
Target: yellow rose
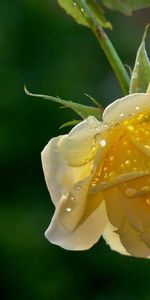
x=98 y=177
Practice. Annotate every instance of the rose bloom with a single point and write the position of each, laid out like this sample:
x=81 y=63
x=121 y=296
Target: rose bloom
x=98 y=177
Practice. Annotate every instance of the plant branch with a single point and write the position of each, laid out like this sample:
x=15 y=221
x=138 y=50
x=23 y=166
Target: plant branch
x=89 y=11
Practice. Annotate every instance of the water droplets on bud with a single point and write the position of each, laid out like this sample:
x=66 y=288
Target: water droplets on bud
x=82 y=10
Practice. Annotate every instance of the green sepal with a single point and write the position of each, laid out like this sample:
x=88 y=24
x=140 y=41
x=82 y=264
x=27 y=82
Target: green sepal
x=126 y=6
x=74 y=8
x=70 y=123
x=141 y=73
x=83 y=111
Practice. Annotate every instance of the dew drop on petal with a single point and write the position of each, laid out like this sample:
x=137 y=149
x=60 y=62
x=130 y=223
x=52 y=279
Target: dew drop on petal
x=130 y=127
x=102 y=143
x=127 y=162
x=130 y=192
x=68 y=209
x=148 y=200
x=137 y=107
x=111 y=158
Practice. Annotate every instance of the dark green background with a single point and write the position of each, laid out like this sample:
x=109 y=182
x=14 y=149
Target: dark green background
x=44 y=48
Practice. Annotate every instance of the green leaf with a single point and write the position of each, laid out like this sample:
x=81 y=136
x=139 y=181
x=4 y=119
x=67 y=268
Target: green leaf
x=141 y=73
x=126 y=6
x=83 y=111
x=75 y=9
x=71 y=8
x=70 y=123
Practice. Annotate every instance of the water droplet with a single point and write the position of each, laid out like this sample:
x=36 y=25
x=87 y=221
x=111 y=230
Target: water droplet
x=111 y=174
x=72 y=198
x=134 y=169
x=121 y=114
x=93 y=148
x=137 y=107
x=127 y=162
x=146 y=132
x=128 y=152
x=102 y=143
x=78 y=187
x=93 y=184
x=92 y=167
x=97 y=138
x=105 y=168
x=82 y=10
x=130 y=192
x=74 y=3
x=147 y=147
x=111 y=158
x=131 y=128
x=146 y=188
x=86 y=160
x=68 y=209
x=148 y=200
x=134 y=76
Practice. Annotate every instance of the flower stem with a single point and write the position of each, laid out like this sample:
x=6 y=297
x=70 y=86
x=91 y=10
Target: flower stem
x=88 y=9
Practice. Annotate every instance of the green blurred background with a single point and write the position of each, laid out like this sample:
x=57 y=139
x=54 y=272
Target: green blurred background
x=47 y=50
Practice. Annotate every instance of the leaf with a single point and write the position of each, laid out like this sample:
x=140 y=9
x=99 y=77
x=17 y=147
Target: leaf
x=70 y=123
x=82 y=110
x=141 y=73
x=126 y=6
x=97 y=104
x=78 y=8
x=71 y=8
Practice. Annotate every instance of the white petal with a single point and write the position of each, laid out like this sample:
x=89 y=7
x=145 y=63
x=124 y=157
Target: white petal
x=60 y=177
x=79 y=146
x=84 y=236
x=113 y=240
x=122 y=108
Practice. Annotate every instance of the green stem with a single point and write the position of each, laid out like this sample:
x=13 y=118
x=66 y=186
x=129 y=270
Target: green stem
x=88 y=9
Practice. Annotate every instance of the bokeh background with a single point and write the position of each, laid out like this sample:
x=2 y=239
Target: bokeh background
x=43 y=47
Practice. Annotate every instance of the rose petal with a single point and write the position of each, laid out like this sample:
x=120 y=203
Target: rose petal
x=79 y=146
x=60 y=177
x=113 y=240
x=122 y=108
x=125 y=214
x=84 y=236
x=132 y=242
